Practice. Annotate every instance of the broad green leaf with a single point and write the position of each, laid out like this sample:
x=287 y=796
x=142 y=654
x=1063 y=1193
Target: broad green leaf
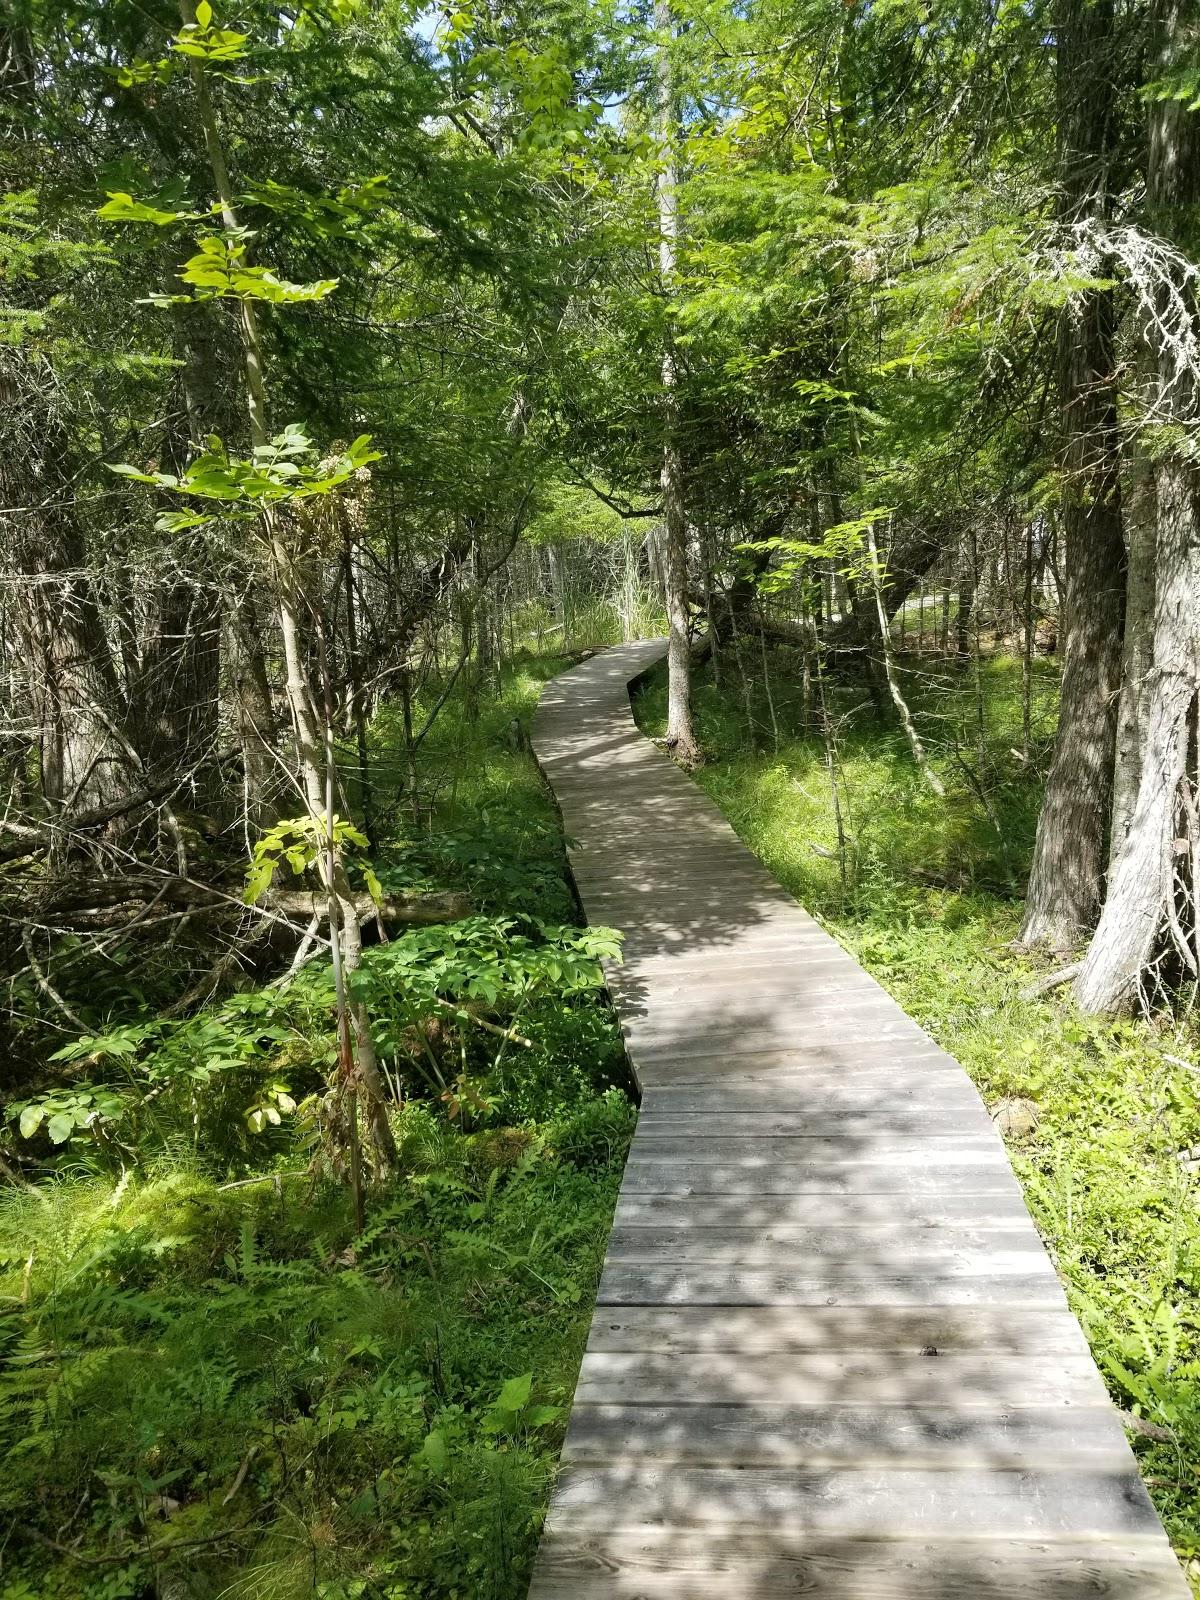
x=542 y=1416
x=122 y=207
x=514 y=1396
x=258 y=879
x=60 y=1127
x=434 y=1452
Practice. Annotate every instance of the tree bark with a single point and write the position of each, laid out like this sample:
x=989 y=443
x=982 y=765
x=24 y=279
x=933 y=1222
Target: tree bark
x=78 y=704
x=249 y=691
x=1140 y=903
x=681 y=738
x=1066 y=881
x=314 y=755
x=1138 y=652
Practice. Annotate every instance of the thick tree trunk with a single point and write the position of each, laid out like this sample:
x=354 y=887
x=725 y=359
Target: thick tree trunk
x=681 y=736
x=1138 y=653
x=1141 y=897
x=1142 y=887
x=1067 y=878
x=75 y=690
x=175 y=698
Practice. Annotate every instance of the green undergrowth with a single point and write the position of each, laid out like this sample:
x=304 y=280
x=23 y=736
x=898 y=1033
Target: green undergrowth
x=212 y=1383
x=927 y=894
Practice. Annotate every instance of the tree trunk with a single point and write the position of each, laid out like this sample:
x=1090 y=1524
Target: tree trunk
x=1141 y=896
x=681 y=737
x=75 y=689
x=314 y=756
x=968 y=584
x=354 y=678
x=175 y=696
x=1138 y=653
x=1067 y=878
x=249 y=692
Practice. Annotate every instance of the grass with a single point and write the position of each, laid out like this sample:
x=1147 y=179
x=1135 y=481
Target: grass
x=929 y=901
x=210 y=1382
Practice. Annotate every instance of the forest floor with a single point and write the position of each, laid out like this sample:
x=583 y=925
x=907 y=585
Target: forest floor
x=1101 y=1118
x=212 y=1385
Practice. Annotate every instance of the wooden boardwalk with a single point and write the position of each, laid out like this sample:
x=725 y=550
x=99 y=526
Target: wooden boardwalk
x=830 y=1356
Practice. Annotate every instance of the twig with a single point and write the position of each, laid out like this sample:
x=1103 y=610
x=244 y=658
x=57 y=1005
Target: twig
x=1052 y=980
x=241 y=1474
x=265 y=1177
x=162 y=1547
x=503 y=1033
x=44 y=984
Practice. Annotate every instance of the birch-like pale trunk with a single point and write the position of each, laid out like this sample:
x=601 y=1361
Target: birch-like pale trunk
x=681 y=738
x=1140 y=908
x=313 y=760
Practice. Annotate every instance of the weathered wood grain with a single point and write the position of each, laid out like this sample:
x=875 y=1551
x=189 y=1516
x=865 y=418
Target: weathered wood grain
x=1030 y=1332
x=947 y=1148
x=874 y=1283
x=823 y=1210
x=867 y=1504
x=930 y=1115
x=706 y=1564
x=872 y=1249
x=816 y=1177
x=937 y=1437
x=968 y=1380
x=830 y=1356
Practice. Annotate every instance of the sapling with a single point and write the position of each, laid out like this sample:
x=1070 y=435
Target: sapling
x=269 y=491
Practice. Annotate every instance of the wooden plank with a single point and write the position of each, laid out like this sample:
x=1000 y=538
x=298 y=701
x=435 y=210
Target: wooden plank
x=816 y=1177
x=782 y=1564
x=851 y=1058
x=864 y=1504
x=855 y=1026
x=949 y=1147
x=1034 y=1334
x=829 y=1378
x=768 y=979
x=948 y=1283
x=938 y=1437
x=743 y=1106
x=911 y=1118
x=1000 y=1210
x=753 y=1024
x=1006 y=1249
x=930 y=1079
x=778 y=991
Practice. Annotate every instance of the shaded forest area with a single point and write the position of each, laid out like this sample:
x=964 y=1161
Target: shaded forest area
x=363 y=365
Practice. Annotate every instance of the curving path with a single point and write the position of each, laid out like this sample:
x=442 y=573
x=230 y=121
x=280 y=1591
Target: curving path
x=830 y=1356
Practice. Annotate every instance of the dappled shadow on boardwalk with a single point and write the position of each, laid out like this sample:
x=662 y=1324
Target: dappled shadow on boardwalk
x=830 y=1356
x=770 y=1563
x=742 y=977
